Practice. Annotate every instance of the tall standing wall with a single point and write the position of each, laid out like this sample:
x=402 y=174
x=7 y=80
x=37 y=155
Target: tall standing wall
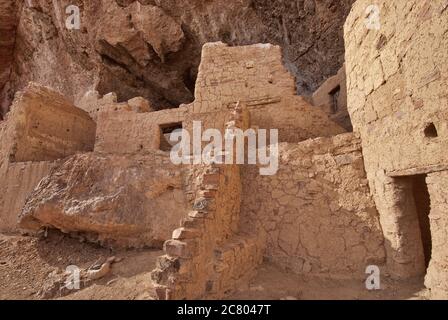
x=397 y=73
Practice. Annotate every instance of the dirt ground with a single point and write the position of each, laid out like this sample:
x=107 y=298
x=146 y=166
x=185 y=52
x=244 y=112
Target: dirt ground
x=27 y=265
x=272 y=283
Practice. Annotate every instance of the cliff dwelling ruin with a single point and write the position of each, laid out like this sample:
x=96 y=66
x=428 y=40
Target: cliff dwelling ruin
x=87 y=178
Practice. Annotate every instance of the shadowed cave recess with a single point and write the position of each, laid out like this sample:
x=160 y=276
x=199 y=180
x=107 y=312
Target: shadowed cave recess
x=113 y=52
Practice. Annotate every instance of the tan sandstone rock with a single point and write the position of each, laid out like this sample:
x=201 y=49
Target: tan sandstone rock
x=118 y=201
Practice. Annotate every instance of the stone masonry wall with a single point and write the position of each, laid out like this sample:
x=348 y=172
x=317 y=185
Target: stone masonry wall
x=332 y=98
x=17 y=181
x=316 y=213
x=255 y=77
x=397 y=83
x=43 y=125
x=236 y=87
x=396 y=79
x=208 y=255
x=437 y=275
x=130 y=132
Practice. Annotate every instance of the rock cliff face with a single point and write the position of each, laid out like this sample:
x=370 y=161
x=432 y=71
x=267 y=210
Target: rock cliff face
x=152 y=48
x=8 y=25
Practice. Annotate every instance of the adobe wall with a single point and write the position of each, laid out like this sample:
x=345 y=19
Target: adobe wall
x=316 y=213
x=437 y=275
x=397 y=83
x=255 y=77
x=130 y=132
x=396 y=79
x=331 y=97
x=17 y=181
x=42 y=125
x=209 y=255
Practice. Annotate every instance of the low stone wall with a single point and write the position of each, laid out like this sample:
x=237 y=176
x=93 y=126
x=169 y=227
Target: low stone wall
x=209 y=255
x=294 y=118
x=316 y=213
x=94 y=104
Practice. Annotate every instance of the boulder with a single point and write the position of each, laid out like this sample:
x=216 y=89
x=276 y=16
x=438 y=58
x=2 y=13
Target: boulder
x=119 y=201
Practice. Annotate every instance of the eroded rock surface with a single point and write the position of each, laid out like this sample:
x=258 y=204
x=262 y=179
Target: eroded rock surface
x=119 y=201
x=153 y=48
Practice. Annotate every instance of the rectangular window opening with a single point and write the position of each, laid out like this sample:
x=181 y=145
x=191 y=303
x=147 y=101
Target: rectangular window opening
x=335 y=99
x=165 y=132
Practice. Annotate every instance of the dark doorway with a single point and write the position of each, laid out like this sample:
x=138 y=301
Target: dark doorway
x=423 y=206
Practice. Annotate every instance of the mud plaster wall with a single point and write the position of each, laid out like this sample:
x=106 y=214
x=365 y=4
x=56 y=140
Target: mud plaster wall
x=437 y=274
x=397 y=83
x=115 y=200
x=255 y=76
x=45 y=126
x=331 y=96
x=129 y=132
x=209 y=254
x=316 y=213
x=396 y=78
x=18 y=180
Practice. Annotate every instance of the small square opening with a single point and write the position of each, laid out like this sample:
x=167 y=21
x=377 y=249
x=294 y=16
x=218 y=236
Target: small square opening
x=165 y=132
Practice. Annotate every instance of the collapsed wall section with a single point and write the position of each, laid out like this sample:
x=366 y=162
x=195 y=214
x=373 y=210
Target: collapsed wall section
x=331 y=97
x=255 y=77
x=209 y=256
